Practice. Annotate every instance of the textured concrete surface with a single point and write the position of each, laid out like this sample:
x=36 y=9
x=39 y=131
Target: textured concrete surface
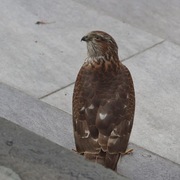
x=36 y=116
x=143 y=164
x=40 y=59
x=157 y=85
x=161 y=18
x=8 y=174
x=43 y=60
x=61 y=99
x=32 y=157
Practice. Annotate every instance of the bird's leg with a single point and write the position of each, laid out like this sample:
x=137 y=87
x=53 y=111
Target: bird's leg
x=77 y=152
x=74 y=150
x=128 y=151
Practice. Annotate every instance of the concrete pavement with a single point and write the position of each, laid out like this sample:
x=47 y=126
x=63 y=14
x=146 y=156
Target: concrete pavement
x=43 y=61
x=160 y=18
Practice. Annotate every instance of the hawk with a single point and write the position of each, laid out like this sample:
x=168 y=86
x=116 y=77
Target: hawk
x=103 y=102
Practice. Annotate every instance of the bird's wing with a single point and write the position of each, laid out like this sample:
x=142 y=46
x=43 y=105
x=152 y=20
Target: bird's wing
x=85 y=131
x=115 y=116
x=103 y=111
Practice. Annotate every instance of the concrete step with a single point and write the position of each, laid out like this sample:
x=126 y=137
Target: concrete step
x=27 y=156
x=56 y=126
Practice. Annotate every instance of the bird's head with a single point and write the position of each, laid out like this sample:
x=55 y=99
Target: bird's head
x=99 y=44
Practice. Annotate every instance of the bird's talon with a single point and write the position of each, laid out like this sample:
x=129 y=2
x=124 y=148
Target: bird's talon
x=77 y=152
x=129 y=151
x=74 y=150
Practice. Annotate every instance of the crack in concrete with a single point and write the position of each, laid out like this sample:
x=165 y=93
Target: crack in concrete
x=144 y=50
x=55 y=91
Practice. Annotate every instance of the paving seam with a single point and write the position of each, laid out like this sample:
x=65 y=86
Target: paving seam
x=55 y=91
x=136 y=54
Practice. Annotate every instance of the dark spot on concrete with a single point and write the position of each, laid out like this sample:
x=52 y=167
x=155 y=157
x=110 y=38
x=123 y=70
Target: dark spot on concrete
x=9 y=143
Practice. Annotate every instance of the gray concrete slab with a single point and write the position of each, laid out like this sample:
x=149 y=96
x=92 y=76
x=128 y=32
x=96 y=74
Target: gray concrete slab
x=155 y=73
x=157 y=85
x=27 y=156
x=8 y=174
x=39 y=59
x=143 y=164
x=61 y=99
x=161 y=18
x=36 y=116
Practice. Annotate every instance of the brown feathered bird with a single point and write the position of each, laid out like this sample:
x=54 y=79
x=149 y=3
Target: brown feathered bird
x=103 y=102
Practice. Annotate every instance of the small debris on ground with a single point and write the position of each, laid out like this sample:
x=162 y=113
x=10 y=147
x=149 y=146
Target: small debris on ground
x=146 y=155
x=9 y=143
x=43 y=22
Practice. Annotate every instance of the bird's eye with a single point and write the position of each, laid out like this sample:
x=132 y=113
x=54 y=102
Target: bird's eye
x=97 y=38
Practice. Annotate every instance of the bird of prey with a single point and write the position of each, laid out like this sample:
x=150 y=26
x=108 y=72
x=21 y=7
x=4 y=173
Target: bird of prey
x=103 y=102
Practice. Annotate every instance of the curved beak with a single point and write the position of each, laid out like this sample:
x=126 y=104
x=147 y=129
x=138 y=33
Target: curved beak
x=85 y=38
